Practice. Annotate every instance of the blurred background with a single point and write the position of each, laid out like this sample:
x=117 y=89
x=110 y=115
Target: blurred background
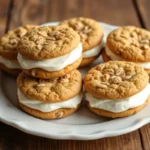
x=15 y=13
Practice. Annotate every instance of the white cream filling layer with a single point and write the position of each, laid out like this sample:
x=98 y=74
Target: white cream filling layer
x=11 y=64
x=93 y=51
x=48 y=107
x=53 y=64
x=113 y=56
x=119 y=105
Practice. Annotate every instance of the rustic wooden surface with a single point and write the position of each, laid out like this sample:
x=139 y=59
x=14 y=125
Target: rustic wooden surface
x=14 y=13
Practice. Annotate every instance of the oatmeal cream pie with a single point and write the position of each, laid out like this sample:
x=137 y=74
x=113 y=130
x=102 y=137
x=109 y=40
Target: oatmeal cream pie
x=8 y=49
x=50 y=52
x=91 y=34
x=117 y=89
x=50 y=98
x=129 y=43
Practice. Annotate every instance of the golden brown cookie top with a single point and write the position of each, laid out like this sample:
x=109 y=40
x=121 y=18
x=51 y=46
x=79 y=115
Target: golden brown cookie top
x=130 y=43
x=50 y=90
x=90 y=31
x=115 y=80
x=48 y=42
x=8 y=43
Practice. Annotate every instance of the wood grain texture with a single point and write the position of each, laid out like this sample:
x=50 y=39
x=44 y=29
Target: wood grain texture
x=38 y=12
x=11 y=138
x=143 y=7
x=145 y=136
x=115 y=12
x=4 y=5
x=4 y=9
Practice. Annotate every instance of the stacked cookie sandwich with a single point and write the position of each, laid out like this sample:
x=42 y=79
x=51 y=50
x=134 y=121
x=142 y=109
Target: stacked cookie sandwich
x=8 y=49
x=50 y=86
x=116 y=89
x=91 y=35
x=50 y=52
x=50 y=98
x=129 y=43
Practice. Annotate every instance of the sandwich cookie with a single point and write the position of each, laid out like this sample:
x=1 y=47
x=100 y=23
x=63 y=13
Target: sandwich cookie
x=50 y=98
x=8 y=49
x=50 y=52
x=129 y=43
x=91 y=34
x=117 y=89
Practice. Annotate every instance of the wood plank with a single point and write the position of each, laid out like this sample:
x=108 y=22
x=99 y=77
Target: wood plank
x=143 y=6
x=4 y=6
x=145 y=135
x=26 y=141
x=3 y=15
x=28 y=12
x=38 y=12
x=144 y=11
x=97 y=10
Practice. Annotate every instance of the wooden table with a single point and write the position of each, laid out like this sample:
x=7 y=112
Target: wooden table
x=14 y=13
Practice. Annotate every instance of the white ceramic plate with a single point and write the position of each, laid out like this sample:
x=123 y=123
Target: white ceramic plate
x=82 y=125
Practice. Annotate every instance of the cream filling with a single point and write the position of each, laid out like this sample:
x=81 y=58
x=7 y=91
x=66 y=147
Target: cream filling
x=121 y=105
x=11 y=64
x=93 y=51
x=113 y=56
x=47 y=106
x=52 y=64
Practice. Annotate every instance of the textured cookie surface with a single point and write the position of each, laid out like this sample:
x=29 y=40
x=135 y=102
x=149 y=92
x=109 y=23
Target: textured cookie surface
x=40 y=73
x=126 y=113
x=107 y=58
x=56 y=114
x=90 y=31
x=131 y=43
x=48 y=42
x=115 y=80
x=51 y=90
x=8 y=43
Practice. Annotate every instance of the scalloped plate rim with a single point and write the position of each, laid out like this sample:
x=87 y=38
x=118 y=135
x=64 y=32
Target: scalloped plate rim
x=71 y=135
